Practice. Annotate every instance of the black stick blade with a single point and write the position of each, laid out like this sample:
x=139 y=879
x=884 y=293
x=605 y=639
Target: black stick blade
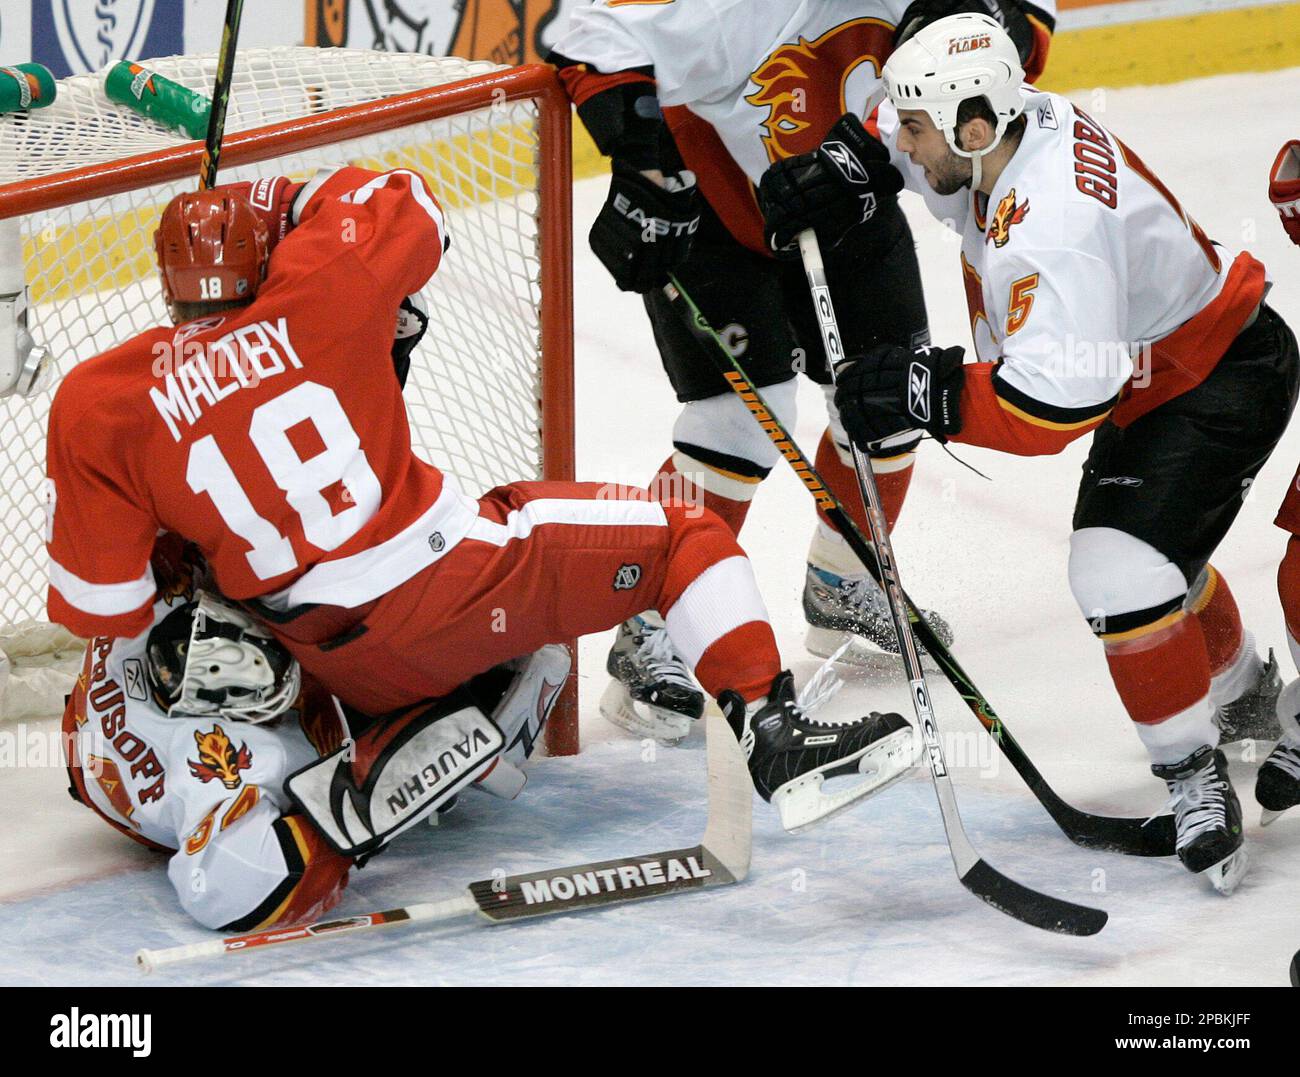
x=1030 y=906
x=1108 y=833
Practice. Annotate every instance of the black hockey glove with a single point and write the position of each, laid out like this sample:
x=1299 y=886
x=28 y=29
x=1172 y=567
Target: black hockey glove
x=412 y=321
x=1008 y=13
x=845 y=183
x=644 y=231
x=892 y=389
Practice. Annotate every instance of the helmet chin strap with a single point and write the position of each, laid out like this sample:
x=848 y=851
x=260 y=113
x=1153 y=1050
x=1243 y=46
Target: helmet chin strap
x=976 y=170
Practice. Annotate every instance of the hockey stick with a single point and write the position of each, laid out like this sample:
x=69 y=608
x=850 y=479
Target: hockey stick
x=1007 y=895
x=1134 y=837
x=721 y=858
x=220 y=96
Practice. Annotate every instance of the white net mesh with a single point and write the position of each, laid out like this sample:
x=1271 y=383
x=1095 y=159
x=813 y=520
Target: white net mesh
x=474 y=389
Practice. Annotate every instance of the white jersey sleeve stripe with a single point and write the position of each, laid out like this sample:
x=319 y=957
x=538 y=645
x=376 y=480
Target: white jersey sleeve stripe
x=102 y=599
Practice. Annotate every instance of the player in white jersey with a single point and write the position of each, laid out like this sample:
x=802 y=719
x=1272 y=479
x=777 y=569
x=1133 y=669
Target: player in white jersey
x=183 y=738
x=695 y=102
x=1098 y=305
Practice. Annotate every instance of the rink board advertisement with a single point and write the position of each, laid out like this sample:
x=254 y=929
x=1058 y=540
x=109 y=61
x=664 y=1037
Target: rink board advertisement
x=1130 y=42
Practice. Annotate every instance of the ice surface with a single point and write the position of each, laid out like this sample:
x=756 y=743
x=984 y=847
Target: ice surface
x=869 y=897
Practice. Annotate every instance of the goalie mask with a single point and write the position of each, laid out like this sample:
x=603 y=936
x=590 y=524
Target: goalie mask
x=209 y=658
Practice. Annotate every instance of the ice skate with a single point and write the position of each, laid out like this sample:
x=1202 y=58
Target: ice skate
x=1277 y=786
x=1207 y=815
x=791 y=755
x=652 y=692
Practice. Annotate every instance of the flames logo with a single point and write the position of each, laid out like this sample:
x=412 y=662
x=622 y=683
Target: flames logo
x=802 y=86
x=219 y=759
x=1007 y=214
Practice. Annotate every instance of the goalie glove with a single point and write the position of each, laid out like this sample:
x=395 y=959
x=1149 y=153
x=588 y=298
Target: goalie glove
x=891 y=390
x=844 y=184
x=25 y=368
x=1284 y=188
x=644 y=231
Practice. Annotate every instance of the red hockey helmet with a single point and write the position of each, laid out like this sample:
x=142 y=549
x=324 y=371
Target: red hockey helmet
x=211 y=248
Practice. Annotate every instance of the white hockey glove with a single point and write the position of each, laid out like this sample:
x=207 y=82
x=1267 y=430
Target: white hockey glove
x=25 y=368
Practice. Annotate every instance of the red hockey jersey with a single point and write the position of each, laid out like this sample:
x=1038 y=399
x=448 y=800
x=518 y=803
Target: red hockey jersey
x=274 y=437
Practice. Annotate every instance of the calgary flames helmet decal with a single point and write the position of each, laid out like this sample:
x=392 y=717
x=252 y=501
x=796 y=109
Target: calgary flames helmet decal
x=803 y=85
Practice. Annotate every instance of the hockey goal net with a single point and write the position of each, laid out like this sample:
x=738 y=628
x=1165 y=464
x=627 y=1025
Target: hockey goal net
x=82 y=184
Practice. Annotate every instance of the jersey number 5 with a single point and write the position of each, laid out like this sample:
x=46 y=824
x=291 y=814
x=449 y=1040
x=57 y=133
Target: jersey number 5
x=341 y=462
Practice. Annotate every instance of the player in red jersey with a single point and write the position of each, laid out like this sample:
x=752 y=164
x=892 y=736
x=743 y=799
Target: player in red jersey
x=268 y=427
x=1277 y=787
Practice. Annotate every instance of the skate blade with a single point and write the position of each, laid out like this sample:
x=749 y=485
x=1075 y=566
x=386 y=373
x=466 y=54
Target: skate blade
x=1228 y=872
x=619 y=708
x=801 y=803
x=1267 y=816
x=861 y=653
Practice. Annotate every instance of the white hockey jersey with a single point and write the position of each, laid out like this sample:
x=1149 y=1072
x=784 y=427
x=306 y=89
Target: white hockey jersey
x=745 y=84
x=1090 y=291
x=210 y=791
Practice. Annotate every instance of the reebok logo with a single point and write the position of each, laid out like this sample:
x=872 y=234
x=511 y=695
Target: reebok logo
x=843 y=159
x=918 y=392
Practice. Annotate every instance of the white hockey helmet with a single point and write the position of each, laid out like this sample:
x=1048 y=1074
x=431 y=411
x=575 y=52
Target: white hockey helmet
x=951 y=60
x=210 y=658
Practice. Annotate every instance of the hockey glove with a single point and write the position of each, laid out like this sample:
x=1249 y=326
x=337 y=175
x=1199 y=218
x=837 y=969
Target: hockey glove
x=412 y=321
x=1284 y=188
x=272 y=199
x=644 y=231
x=920 y=13
x=845 y=183
x=891 y=389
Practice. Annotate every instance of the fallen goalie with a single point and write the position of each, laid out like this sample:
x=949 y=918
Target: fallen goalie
x=201 y=738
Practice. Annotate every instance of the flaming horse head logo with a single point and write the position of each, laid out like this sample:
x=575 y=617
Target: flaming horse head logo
x=219 y=759
x=1007 y=214
x=802 y=86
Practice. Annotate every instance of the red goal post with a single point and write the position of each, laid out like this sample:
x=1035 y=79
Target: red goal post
x=491 y=396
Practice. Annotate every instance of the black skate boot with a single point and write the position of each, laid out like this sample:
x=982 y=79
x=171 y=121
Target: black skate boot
x=1277 y=786
x=652 y=693
x=1207 y=816
x=837 y=607
x=790 y=755
x=1253 y=714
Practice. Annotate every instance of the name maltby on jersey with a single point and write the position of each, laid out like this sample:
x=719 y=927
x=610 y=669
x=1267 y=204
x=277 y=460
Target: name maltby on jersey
x=1289 y=209
x=199 y=375
x=613 y=880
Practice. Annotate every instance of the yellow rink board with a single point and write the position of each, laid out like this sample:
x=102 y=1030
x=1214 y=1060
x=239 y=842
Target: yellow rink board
x=1170 y=50
x=112 y=252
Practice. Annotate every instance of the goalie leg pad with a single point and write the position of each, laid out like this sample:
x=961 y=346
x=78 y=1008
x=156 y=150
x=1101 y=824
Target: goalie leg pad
x=520 y=695
x=402 y=768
